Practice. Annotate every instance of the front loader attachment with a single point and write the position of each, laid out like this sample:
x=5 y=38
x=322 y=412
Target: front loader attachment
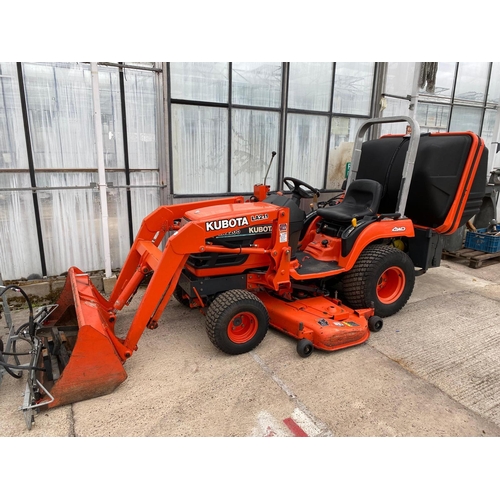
x=76 y=350
x=75 y=353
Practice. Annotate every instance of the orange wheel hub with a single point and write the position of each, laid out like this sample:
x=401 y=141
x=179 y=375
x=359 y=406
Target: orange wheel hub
x=390 y=285
x=242 y=327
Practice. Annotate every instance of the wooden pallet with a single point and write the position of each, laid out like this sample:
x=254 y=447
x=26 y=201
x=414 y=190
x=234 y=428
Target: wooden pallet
x=475 y=257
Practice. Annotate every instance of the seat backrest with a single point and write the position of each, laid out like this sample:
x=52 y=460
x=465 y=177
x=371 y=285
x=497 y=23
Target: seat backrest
x=364 y=193
x=361 y=199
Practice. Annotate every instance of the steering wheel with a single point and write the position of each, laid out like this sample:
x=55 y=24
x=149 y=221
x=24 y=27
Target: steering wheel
x=299 y=188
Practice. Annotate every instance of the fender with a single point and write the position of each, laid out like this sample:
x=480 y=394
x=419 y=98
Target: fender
x=370 y=231
x=381 y=229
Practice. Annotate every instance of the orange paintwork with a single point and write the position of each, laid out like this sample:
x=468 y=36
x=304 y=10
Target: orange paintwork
x=94 y=368
x=326 y=322
x=385 y=228
x=452 y=221
x=260 y=191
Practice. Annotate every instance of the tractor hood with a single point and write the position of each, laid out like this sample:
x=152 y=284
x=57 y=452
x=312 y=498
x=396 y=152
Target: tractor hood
x=231 y=216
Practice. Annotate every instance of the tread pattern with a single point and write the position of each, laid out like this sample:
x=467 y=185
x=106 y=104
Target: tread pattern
x=221 y=304
x=357 y=281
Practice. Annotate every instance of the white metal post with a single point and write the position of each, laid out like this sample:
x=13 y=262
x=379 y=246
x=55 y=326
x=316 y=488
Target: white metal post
x=495 y=139
x=101 y=171
x=414 y=91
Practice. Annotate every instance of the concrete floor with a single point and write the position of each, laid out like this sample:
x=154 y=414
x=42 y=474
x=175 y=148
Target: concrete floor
x=432 y=370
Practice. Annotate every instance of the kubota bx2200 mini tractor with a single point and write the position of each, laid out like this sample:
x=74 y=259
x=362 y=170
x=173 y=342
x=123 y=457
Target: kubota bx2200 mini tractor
x=325 y=278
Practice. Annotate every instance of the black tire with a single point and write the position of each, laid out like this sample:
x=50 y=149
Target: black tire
x=304 y=348
x=375 y=324
x=237 y=321
x=23 y=334
x=383 y=277
x=178 y=296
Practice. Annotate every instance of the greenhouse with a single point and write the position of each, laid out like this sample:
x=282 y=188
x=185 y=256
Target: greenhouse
x=79 y=174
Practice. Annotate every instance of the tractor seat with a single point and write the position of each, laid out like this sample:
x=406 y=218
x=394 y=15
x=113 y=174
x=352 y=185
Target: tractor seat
x=362 y=198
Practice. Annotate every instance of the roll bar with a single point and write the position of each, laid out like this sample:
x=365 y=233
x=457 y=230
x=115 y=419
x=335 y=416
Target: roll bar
x=409 y=162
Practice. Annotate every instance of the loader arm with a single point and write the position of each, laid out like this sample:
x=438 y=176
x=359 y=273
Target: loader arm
x=81 y=356
x=153 y=229
x=189 y=237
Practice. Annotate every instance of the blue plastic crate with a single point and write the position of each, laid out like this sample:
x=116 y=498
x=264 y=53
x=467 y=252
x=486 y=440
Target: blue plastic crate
x=483 y=242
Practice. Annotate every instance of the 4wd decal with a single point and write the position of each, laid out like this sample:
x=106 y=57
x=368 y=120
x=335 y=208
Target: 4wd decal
x=215 y=225
x=259 y=217
x=398 y=229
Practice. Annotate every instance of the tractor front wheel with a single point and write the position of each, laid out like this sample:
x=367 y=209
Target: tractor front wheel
x=237 y=321
x=383 y=276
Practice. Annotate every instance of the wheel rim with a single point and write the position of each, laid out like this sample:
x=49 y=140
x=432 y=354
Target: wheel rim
x=307 y=349
x=242 y=327
x=390 y=285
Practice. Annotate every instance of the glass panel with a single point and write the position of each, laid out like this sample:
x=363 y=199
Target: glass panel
x=399 y=78
x=494 y=90
x=140 y=101
x=199 y=81
x=445 y=78
x=342 y=137
x=257 y=84
x=146 y=199
x=71 y=222
x=352 y=92
x=399 y=82
x=61 y=115
x=255 y=134
x=143 y=64
x=310 y=86
x=433 y=117
x=306 y=148
x=117 y=219
x=200 y=149
x=395 y=107
x=466 y=118
x=472 y=79
x=19 y=250
x=488 y=128
x=111 y=117
x=12 y=139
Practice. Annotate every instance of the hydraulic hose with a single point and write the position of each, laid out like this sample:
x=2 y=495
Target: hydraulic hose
x=21 y=367
x=8 y=367
x=31 y=331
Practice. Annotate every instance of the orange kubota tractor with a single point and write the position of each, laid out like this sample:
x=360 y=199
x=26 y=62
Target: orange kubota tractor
x=325 y=278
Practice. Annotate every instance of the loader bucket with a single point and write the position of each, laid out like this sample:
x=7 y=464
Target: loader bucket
x=78 y=355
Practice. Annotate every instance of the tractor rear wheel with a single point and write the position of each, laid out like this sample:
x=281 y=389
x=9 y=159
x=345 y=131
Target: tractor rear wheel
x=383 y=276
x=237 y=321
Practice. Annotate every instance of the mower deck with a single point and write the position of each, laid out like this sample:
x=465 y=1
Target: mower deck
x=323 y=322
